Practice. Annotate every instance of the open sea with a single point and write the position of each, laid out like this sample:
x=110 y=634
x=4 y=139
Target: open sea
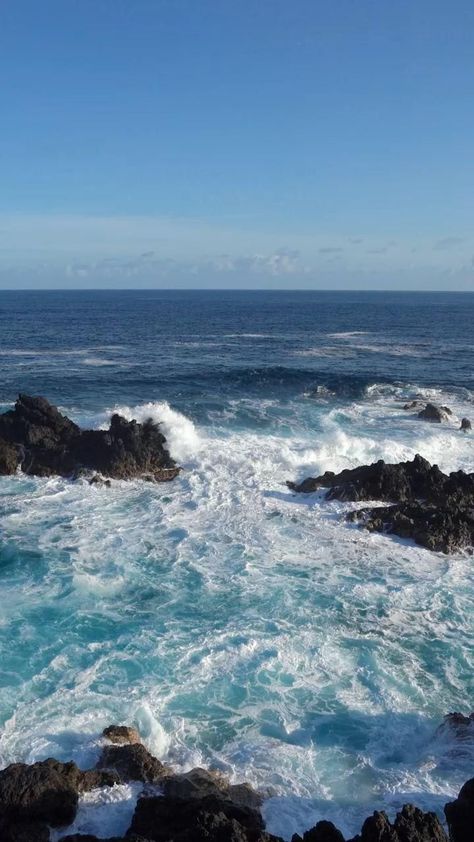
x=238 y=625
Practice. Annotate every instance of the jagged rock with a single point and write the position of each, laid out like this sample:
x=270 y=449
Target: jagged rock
x=322 y=832
x=87 y=837
x=208 y=819
x=46 y=791
x=410 y=825
x=200 y=782
x=432 y=508
x=121 y=734
x=431 y=412
x=133 y=763
x=437 y=529
x=38 y=438
x=96 y=479
x=465 y=425
x=460 y=814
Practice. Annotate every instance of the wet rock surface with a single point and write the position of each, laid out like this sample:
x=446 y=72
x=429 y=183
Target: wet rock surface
x=132 y=763
x=47 y=791
x=434 y=413
x=434 y=509
x=121 y=734
x=38 y=439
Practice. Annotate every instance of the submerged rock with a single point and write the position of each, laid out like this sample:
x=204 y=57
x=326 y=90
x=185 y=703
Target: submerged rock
x=432 y=508
x=465 y=425
x=37 y=438
x=460 y=814
x=462 y=727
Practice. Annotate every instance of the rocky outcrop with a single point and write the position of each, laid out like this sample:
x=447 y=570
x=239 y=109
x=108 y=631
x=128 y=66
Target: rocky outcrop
x=47 y=791
x=197 y=820
x=460 y=814
x=198 y=783
x=323 y=831
x=432 y=508
x=410 y=825
x=38 y=439
x=458 y=725
x=431 y=412
x=133 y=763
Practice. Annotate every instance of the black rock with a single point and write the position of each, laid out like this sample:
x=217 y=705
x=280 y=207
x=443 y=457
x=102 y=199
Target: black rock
x=410 y=825
x=38 y=438
x=322 y=832
x=439 y=529
x=46 y=791
x=465 y=425
x=431 y=412
x=431 y=508
x=460 y=814
x=197 y=783
x=208 y=819
x=133 y=763
x=462 y=727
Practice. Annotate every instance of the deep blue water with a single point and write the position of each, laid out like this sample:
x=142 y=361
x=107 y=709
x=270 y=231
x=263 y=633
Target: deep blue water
x=239 y=625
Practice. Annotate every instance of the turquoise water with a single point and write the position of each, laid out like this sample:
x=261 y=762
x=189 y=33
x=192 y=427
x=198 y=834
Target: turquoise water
x=238 y=625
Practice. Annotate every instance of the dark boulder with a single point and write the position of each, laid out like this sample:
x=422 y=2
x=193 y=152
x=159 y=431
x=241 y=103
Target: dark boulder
x=431 y=412
x=323 y=831
x=46 y=791
x=460 y=814
x=465 y=425
x=38 y=438
x=414 y=404
x=208 y=819
x=133 y=763
x=121 y=734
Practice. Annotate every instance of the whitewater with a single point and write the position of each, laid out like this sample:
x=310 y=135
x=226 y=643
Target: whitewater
x=238 y=625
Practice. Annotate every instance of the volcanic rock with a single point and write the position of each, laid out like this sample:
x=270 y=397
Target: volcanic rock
x=432 y=508
x=199 y=783
x=121 y=734
x=322 y=832
x=36 y=437
x=46 y=791
x=431 y=412
x=410 y=825
x=208 y=819
x=460 y=814
x=133 y=763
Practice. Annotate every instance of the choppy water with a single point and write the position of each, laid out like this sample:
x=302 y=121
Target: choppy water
x=238 y=625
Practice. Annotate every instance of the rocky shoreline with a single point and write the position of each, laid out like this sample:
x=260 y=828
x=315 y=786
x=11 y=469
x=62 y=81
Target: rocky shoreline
x=196 y=806
x=38 y=440
x=434 y=509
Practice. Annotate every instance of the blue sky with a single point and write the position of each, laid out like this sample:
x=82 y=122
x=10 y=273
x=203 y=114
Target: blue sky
x=232 y=143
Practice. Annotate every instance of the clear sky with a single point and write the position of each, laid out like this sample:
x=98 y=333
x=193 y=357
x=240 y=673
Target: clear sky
x=229 y=143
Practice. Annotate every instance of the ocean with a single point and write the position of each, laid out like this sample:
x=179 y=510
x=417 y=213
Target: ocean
x=238 y=625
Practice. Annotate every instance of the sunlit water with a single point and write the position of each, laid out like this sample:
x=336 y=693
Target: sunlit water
x=236 y=624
